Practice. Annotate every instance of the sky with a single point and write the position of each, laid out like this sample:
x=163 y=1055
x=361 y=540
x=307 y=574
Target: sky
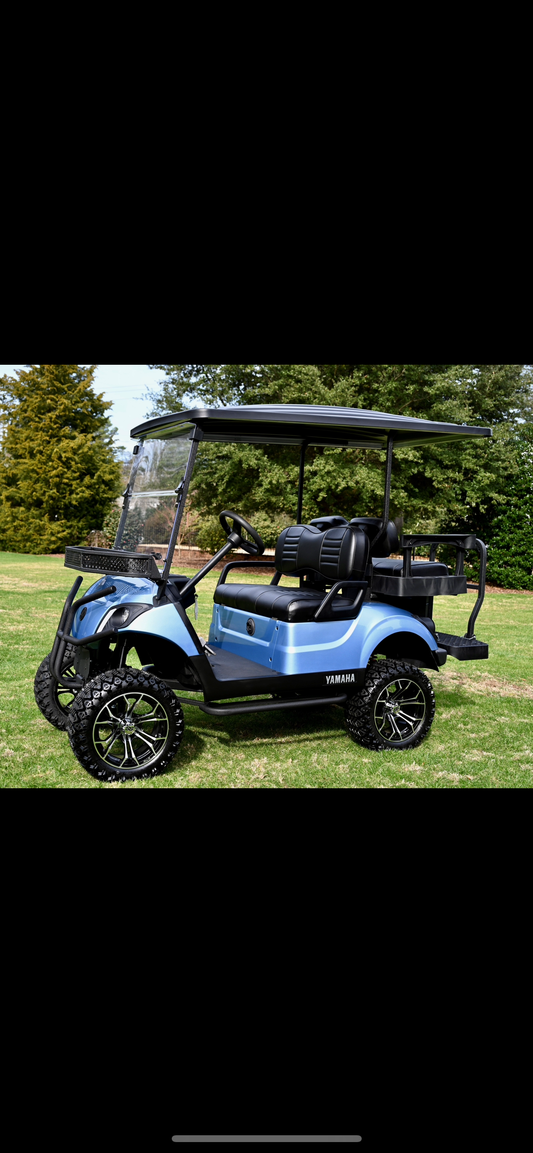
x=123 y=384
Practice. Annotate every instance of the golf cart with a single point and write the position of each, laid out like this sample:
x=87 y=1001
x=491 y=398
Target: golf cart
x=357 y=632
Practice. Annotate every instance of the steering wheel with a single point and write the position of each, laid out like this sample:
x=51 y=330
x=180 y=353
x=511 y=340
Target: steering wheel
x=236 y=539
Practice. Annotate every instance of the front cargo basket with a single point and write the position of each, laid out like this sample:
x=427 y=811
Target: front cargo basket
x=111 y=562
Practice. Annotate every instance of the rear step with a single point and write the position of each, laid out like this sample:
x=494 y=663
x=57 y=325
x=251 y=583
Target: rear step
x=262 y=706
x=463 y=648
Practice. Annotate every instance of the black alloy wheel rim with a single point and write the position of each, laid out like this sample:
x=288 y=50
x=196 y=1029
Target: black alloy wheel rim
x=66 y=696
x=130 y=732
x=400 y=711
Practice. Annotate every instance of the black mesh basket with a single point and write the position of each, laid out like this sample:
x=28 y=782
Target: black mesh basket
x=111 y=562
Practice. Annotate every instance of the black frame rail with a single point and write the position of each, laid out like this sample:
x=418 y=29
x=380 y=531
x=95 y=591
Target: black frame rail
x=63 y=637
x=230 y=710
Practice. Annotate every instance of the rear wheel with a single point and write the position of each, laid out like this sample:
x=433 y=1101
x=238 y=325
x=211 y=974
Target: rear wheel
x=125 y=725
x=394 y=709
x=55 y=700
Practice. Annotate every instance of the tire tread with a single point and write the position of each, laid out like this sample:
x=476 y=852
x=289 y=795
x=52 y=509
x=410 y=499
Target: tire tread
x=358 y=712
x=44 y=688
x=87 y=705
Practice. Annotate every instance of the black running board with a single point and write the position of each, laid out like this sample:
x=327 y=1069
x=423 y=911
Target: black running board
x=463 y=648
x=262 y=706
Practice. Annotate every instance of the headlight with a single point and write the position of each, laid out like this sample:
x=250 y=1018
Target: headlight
x=120 y=617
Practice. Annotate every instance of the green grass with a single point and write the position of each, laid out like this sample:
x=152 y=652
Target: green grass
x=482 y=736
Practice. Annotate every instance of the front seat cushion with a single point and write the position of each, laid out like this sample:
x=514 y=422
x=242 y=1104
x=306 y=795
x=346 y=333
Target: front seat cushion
x=280 y=604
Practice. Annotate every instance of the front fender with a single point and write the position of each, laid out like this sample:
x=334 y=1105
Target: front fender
x=134 y=590
x=167 y=623
x=165 y=620
x=161 y=623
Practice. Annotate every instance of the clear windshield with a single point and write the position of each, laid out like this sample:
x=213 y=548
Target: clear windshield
x=153 y=504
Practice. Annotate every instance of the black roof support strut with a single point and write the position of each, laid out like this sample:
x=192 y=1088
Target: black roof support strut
x=301 y=483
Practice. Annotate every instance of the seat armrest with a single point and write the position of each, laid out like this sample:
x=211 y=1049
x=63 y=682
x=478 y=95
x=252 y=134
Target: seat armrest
x=461 y=542
x=244 y=564
x=326 y=612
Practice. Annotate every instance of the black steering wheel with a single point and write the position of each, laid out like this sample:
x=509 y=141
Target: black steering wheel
x=236 y=539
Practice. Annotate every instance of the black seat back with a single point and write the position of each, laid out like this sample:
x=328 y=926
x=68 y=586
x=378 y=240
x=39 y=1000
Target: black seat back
x=324 y=522
x=371 y=526
x=339 y=553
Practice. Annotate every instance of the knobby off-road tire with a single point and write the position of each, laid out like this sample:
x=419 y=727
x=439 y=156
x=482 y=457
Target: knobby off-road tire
x=53 y=699
x=125 y=725
x=394 y=709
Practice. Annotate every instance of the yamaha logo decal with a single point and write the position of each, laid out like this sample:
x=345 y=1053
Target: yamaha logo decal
x=341 y=679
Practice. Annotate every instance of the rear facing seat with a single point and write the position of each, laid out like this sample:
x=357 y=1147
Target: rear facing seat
x=338 y=553
x=421 y=568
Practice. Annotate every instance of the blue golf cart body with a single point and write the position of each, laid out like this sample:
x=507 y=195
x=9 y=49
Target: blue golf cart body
x=356 y=632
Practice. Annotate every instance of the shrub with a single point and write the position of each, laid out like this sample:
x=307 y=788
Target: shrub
x=510 y=552
x=133 y=532
x=210 y=535
x=110 y=525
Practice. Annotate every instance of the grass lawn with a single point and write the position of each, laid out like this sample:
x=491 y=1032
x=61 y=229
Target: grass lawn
x=482 y=736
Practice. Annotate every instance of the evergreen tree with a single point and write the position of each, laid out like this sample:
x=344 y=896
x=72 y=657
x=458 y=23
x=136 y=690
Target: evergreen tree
x=58 y=473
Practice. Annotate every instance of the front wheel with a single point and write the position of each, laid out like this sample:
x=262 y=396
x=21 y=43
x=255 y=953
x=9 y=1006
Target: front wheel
x=394 y=709
x=53 y=699
x=125 y=725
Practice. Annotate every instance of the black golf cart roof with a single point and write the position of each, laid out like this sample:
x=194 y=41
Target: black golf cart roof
x=303 y=424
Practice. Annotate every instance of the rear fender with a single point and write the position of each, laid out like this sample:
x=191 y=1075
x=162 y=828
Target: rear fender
x=407 y=646
x=397 y=634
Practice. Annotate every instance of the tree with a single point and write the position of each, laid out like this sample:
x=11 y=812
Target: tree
x=487 y=392
x=58 y=473
x=510 y=553
x=432 y=486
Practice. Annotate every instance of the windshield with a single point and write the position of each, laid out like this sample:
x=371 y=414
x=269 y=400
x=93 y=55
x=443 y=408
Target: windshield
x=160 y=468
